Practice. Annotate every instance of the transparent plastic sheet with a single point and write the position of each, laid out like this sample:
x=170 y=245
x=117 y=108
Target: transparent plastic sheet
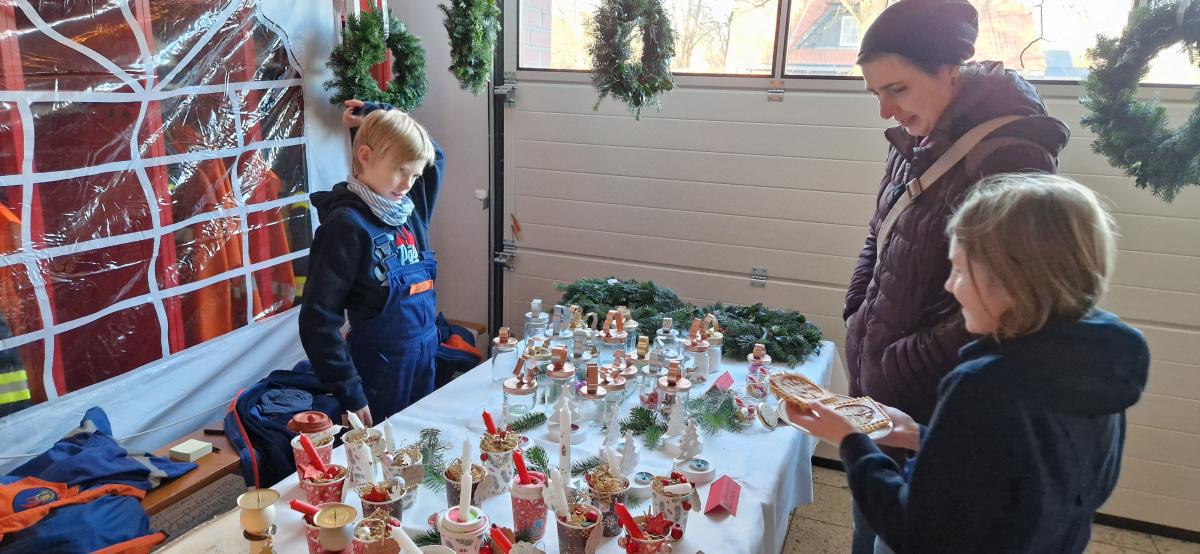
x=153 y=195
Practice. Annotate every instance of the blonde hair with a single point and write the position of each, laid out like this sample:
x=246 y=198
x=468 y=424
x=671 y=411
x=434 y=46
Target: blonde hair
x=1047 y=240
x=392 y=133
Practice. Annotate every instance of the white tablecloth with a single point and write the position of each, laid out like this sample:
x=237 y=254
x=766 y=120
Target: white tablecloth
x=774 y=469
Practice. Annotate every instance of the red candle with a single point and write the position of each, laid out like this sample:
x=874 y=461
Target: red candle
x=311 y=450
x=499 y=540
x=628 y=522
x=519 y=461
x=304 y=507
x=487 y=422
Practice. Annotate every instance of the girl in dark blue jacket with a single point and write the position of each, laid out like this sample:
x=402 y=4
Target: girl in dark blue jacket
x=1025 y=443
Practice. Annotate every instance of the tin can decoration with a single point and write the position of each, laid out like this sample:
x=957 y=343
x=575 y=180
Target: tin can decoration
x=674 y=497
x=608 y=487
x=373 y=532
x=529 y=505
x=405 y=464
x=384 y=496
x=653 y=536
x=579 y=529
x=496 y=453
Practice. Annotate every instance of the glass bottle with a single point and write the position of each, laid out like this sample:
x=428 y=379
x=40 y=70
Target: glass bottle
x=580 y=354
x=631 y=328
x=715 y=339
x=695 y=354
x=559 y=331
x=561 y=376
x=519 y=392
x=615 y=384
x=504 y=355
x=593 y=398
x=758 y=374
x=673 y=390
x=667 y=339
x=612 y=337
x=535 y=320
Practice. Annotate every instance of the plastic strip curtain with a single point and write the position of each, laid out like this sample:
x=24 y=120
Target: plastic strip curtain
x=153 y=182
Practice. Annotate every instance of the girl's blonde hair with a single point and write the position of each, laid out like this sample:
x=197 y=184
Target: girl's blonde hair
x=1047 y=240
x=394 y=134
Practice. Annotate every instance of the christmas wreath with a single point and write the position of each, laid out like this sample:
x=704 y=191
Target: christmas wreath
x=473 y=26
x=365 y=43
x=1133 y=135
x=637 y=83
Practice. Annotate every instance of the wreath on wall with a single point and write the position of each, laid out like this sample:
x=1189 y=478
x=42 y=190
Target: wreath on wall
x=473 y=26
x=365 y=43
x=1132 y=134
x=614 y=72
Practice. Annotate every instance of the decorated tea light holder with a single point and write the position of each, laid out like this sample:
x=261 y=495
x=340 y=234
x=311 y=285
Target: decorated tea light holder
x=405 y=464
x=504 y=355
x=496 y=447
x=675 y=498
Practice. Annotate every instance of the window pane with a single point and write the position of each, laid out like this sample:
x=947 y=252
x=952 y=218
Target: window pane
x=711 y=36
x=824 y=35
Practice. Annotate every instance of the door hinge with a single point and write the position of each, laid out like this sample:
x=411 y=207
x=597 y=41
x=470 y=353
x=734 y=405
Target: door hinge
x=758 y=277
x=508 y=89
x=506 y=256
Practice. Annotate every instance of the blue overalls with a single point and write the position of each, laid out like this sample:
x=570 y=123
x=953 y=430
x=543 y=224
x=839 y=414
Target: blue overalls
x=395 y=351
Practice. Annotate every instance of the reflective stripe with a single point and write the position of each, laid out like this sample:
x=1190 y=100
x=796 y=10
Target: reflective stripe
x=12 y=376
x=16 y=396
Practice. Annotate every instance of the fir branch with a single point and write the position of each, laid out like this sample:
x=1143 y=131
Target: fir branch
x=429 y=538
x=716 y=411
x=652 y=436
x=640 y=419
x=527 y=422
x=433 y=450
x=632 y=501
x=585 y=465
x=473 y=27
x=537 y=460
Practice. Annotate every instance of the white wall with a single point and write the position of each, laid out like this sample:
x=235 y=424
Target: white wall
x=721 y=181
x=458 y=120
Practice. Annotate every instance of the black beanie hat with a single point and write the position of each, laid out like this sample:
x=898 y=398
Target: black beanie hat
x=927 y=32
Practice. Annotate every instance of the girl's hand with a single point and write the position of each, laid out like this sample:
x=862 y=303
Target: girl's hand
x=821 y=421
x=348 y=118
x=905 y=433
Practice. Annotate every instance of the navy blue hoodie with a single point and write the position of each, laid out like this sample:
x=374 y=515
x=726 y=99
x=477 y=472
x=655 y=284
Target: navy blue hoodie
x=1024 y=446
x=341 y=272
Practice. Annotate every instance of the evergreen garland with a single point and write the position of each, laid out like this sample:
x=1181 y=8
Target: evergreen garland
x=1133 y=135
x=431 y=537
x=527 y=422
x=636 y=83
x=473 y=26
x=364 y=45
x=787 y=334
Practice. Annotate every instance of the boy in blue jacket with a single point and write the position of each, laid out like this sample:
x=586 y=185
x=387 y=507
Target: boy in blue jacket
x=371 y=261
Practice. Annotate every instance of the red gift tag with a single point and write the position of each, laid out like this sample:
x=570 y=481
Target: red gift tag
x=723 y=382
x=724 y=493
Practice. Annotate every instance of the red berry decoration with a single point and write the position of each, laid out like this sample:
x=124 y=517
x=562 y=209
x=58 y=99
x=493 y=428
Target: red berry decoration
x=485 y=549
x=676 y=532
x=687 y=505
x=483 y=456
x=592 y=517
x=630 y=548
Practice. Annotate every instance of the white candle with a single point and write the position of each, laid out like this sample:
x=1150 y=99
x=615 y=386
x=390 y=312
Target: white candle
x=681 y=488
x=407 y=546
x=389 y=436
x=611 y=459
x=464 y=492
x=564 y=440
x=354 y=421
x=559 y=492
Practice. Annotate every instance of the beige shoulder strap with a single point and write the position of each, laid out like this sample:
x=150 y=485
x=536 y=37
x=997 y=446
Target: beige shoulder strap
x=927 y=180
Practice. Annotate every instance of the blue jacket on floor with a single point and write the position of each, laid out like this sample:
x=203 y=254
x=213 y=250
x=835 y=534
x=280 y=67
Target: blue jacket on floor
x=1024 y=446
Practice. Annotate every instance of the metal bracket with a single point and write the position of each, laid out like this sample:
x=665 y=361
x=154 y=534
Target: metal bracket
x=508 y=89
x=758 y=277
x=775 y=91
x=505 y=257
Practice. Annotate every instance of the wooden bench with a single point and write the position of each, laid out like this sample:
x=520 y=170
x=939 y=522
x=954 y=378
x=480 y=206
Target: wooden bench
x=222 y=461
